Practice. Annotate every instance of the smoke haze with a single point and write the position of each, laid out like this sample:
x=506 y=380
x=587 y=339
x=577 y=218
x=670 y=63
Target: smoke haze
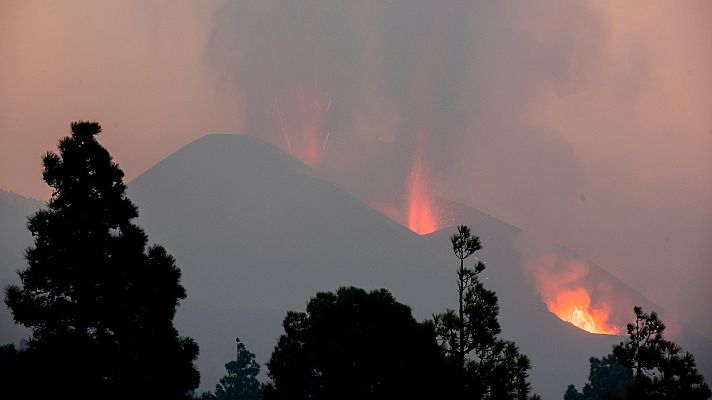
x=583 y=122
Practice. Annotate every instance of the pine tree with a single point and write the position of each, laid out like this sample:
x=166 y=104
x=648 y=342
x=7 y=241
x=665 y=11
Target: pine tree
x=662 y=371
x=99 y=302
x=488 y=367
x=352 y=344
x=241 y=382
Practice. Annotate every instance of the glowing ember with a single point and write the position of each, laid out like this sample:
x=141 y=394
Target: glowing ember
x=574 y=306
x=422 y=215
x=301 y=115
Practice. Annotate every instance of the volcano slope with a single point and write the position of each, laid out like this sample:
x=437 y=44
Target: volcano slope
x=551 y=343
x=14 y=239
x=256 y=235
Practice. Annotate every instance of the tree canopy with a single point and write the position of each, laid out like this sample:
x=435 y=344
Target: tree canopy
x=354 y=344
x=99 y=302
x=607 y=379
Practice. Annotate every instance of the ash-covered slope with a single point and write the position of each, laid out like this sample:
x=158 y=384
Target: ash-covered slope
x=14 y=239
x=256 y=235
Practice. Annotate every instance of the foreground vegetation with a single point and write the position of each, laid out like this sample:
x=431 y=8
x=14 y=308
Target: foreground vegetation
x=98 y=301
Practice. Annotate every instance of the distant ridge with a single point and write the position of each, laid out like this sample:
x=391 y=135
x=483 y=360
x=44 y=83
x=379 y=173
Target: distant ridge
x=23 y=205
x=14 y=238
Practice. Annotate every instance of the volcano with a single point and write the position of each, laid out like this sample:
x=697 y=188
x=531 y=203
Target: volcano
x=256 y=234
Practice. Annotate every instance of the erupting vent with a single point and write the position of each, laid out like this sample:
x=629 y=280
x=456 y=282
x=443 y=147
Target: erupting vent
x=422 y=213
x=567 y=291
x=574 y=306
x=301 y=115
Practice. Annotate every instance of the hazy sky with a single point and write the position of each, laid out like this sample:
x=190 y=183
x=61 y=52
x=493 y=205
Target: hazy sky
x=585 y=122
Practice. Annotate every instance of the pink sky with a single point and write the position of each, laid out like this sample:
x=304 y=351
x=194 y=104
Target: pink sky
x=607 y=104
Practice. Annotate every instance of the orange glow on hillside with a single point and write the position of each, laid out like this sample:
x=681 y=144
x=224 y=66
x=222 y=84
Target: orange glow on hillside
x=574 y=306
x=301 y=115
x=422 y=217
x=571 y=294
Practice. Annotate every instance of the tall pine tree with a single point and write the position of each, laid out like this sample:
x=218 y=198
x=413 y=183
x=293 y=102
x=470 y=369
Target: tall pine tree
x=99 y=302
x=488 y=367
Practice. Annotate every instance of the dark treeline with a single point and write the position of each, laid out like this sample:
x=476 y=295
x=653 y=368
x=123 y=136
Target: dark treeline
x=100 y=303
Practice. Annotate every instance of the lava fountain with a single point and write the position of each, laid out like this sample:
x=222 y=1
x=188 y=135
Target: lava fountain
x=574 y=306
x=301 y=114
x=422 y=214
x=567 y=291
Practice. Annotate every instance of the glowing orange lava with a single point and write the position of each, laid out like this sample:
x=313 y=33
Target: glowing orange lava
x=422 y=213
x=574 y=306
x=572 y=294
x=301 y=114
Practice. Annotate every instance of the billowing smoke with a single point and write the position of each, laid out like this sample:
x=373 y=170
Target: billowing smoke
x=447 y=84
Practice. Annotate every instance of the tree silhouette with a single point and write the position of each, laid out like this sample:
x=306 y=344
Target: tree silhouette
x=241 y=382
x=661 y=370
x=488 y=367
x=607 y=379
x=354 y=344
x=99 y=303
x=573 y=394
x=13 y=381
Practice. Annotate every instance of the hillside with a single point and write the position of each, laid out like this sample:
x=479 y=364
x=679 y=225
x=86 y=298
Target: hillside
x=257 y=235
x=14 y=238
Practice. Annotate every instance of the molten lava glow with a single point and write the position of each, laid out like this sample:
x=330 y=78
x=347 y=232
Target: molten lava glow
x=302 y=114
x=574 y=306
x=422 y=213
x=572 y=294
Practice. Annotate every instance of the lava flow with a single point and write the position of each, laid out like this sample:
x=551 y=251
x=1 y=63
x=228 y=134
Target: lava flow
x=569 y=292
x=422 y=213
x=574 y=306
